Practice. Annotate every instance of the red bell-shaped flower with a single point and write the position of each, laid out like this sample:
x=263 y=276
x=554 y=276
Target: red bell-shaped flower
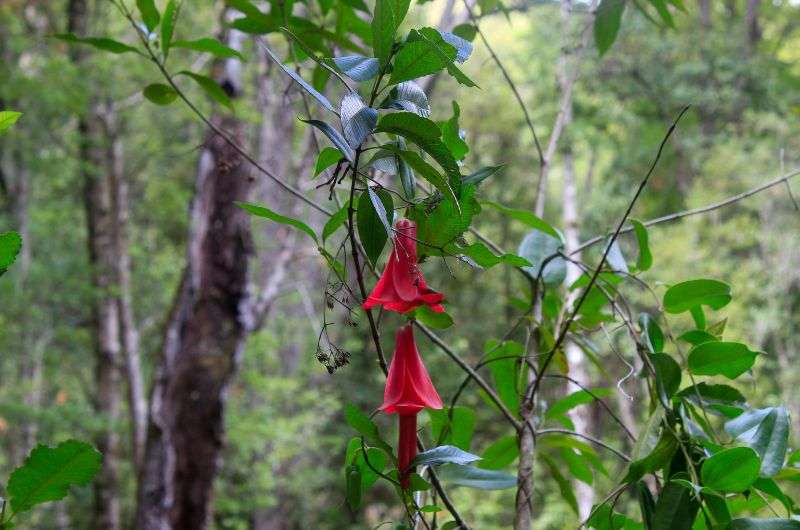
x=401 y=287
x=409 y=389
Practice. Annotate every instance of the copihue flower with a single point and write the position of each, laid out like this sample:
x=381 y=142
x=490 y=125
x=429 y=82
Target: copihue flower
x=401 y=287
x=408 y=390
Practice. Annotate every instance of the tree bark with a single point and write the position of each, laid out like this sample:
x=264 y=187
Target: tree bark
x=204 y=338
x=97 y=161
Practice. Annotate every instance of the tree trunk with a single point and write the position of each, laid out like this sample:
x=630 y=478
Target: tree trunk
x=752 y=25
x=96 y=158
x=204 y=338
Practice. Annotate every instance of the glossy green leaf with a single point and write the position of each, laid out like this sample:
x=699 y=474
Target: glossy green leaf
x=604 y=518
x=48 y=472
x=767 y=432
x=432 y=319
x=353 y=487
x=168 y=25
x=542 y=251
x=8 y=118
x=444 y=454
x=362 y=424
x=525 y=217
x=480 y=255
x=645 y=259
x=456 y=431
x=327 y=158
x=159 y=93
x=697 y=336
x=606 y=23
x=500 y=454
x=481 y=175
x=730 y=359
x=668 y=374
x=388 y=16
x=101 y=43
x=651 y=333
x=334 y=136
x=149 y=12
x=473 y=477
x=357 y=67
x=425 y=134
x=420 y=58
x=694 y=293
x=451 y=135
x=569 y=402
x=208 y=45
x=266 y=213
x=10 y=245
x=337 y=220
x=211 y=88
x=720 y=400
x=372 y=222
x=675 y=508
x=655 y=460
x=443 y=225
x=731 y=470
x=747 y=523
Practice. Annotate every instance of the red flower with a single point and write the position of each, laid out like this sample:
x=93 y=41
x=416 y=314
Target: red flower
x=401 y=287
x=408 y=390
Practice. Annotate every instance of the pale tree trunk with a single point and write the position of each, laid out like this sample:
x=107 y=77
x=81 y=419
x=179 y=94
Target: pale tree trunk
x=129 y=334
x=705 y=14
x=95 y=164
x=205 y=335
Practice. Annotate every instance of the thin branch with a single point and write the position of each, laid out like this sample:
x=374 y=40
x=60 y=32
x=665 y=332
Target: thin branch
x=563 y=333
x=697 y=211
x=595 y=441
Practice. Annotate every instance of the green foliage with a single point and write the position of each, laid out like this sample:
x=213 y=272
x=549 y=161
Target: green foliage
x=160 y=94
x=48 y=472
x=266 y=213
x=374 y=225
x=10 y=245
x=730 y=359
x=8 y=118
x=731 y=470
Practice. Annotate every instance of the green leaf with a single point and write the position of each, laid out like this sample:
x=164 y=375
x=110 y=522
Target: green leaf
x=334 y=136
x=48 y=472
x=357 y=67
x=374 y=227
x=209 y=45
x=651 y=333
x=358 y=120
x=8 y=118
x=731 y=470
x=168 y=25
x=353 y=487
x=542 y=249
x=445 y=224
x=432 y=319
x=149 y=12
x=483 y=257
x=420 y=58
x=362 y=424
x=694 y=293
x=730 y=359
x=675 y=508
x=697 y=336
x=771 y=488
x=426 y=134
x=564 y=485
x=645 y=260
x=389 y=14
x=10 y=245
x=466 y=31
x=473 y=477
x=266 y=213
x=451 y=135
x=607 y=22
x=604 y=518
x=718 y=399
x=500 y=454
x=569 y=402
x=502 y=361
x=658 y=458
x=327 y=157
x=435 y=39
x=444 y=454
x=211 y=88
x=335 y=221
x=429 y=173
x=767 y=432
x=747 y=523
x=457 y=432
x=663 y=12
x=524 y=216
x=481 y=175
x=615 y=260
x=377 y=462
x=101 y=43
x=668 y=374
x=159 y=93
x=325 y=102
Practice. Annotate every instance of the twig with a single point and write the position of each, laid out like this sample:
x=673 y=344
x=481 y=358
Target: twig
x=585 y=437
x=697 y=211
x=563 y=333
